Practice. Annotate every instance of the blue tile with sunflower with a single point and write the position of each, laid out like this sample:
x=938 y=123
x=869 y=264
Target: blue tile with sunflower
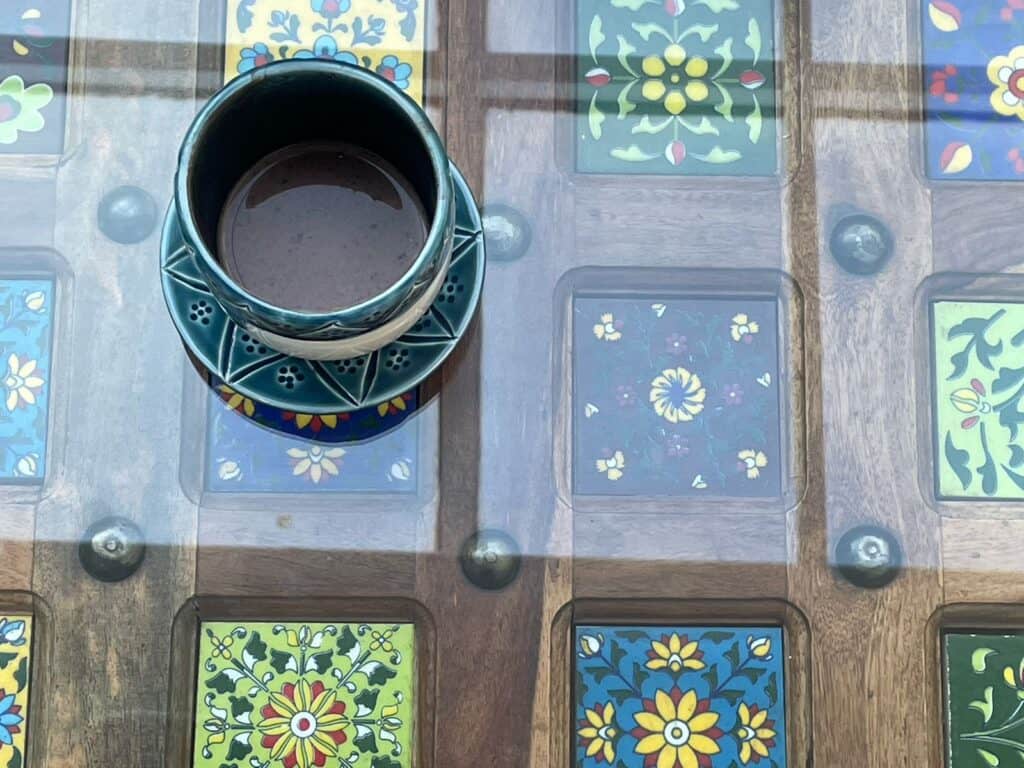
x=679 y=697
x=676 y=397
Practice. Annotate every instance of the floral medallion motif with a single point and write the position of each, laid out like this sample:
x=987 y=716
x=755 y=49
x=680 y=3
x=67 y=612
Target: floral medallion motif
x=678 y=397
x=984 y=699
x=974 y=89
x=15 y=650
x=676 y=88
x=33 y=75
x=387 y=36
x=255 y=448
x=679 y=697
x=26 y=312
x=303 y=695
x=979 y=393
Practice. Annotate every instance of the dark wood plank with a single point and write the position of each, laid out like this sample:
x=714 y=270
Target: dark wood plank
x=110 y=670
x=861 y=400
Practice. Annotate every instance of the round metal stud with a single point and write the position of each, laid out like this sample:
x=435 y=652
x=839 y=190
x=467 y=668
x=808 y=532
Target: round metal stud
x=861 y=244
x=490 y=559
x=112 y=549
x=127 y=215
x=507 y=233
x=869 y=556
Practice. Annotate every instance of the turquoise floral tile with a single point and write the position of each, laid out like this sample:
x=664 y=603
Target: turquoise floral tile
x=305 y=695
x=676 y=397
x=34 y=37
x=26 y=324
x=15 y=676
x=254 y=448
x=676 y=88
x=984 y=699
x=973 y=55
x=679 y=697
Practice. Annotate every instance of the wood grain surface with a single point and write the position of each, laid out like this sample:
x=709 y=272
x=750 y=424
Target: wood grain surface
x=864 y=662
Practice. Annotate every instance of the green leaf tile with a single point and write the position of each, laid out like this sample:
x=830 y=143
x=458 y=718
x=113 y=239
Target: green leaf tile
x=978 y=370
x=299 y=695
x=676 y=88
x=984 y=700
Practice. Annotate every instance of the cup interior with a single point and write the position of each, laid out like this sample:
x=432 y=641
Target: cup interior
x=286 y=104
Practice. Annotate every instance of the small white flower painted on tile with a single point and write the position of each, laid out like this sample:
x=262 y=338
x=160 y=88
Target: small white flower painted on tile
x=590 y=410
x=765 y=380
x=699 y=483
x=659 y=309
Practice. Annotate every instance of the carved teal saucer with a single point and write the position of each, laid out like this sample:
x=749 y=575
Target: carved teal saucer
x=338 y=386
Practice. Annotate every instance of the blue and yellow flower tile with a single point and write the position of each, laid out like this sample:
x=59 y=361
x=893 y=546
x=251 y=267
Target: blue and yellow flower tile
x=677 y=88
x=293 y=694
x=370 y=450
x=676 y=397
x=34 y=37
x=15 y=652
x=974 y=89
x=26 y=323
x=684 y=697
x=387 y=36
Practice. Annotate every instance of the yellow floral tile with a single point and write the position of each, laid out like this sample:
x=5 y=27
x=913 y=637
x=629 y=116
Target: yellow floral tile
x=387 y=36
x=15 y=646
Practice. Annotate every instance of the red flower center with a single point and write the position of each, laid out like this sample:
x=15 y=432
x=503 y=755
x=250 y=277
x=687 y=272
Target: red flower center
x=331 y=7
x=9 y=109
x=1016 y=83
x=388 y=74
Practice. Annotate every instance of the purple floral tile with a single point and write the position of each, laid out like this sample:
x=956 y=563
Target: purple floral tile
x=676 y=397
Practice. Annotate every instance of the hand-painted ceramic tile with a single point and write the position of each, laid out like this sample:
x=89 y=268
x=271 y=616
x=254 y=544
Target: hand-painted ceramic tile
x=15 y=650
x=676 y=397
x=984 y=700
x=387 y=36
x=297 y=694
x=676 y=88
x=974 y=89
x=34 y=38
x=979 y=394
x=679 y=697
x=245 y=457
x=26 y=312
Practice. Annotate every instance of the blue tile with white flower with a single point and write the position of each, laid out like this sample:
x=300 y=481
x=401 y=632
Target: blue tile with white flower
x=26 y=325
x=253 y=448
x=676 y=397
x=679 y=697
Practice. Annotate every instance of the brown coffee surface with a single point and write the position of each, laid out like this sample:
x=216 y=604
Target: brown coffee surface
x=320 y=226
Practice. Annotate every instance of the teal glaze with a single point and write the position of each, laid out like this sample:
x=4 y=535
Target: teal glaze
x=227 y=351
x=301 y=100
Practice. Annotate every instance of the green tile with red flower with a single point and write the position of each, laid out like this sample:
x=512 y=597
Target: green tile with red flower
x=676 y=88
x=305 y=694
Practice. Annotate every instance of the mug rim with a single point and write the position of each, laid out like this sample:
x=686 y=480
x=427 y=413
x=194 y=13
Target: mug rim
x=436 y=236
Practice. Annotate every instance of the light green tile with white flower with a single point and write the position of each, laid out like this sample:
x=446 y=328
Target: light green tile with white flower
x=303 y=694
x=978 y=390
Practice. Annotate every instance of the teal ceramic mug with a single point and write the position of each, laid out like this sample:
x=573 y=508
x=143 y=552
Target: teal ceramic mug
x=288 y=103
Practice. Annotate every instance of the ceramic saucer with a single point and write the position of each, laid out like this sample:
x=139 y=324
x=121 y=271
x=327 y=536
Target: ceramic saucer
x=293 y=384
